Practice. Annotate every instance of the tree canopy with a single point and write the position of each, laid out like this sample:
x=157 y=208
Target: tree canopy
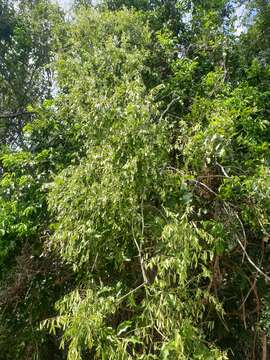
x=134 y=180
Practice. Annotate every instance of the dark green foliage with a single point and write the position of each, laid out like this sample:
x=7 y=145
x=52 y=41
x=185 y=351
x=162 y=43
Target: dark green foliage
x=28 y=43
x=134 y=209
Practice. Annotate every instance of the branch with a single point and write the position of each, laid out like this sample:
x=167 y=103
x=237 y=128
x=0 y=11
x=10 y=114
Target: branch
x=145 y=279
x=251 y=262
x=130 y=292
x=196 y=182
x=226 y=206
x=223 y=170
x=14 y=115
x=169 y=106
x=94 y=264
x=244 y=235
x=243 y=247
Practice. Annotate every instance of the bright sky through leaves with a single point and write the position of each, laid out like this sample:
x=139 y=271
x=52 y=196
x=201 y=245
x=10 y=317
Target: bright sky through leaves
x=65 y=3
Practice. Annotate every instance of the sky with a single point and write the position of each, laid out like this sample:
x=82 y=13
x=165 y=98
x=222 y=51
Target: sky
x=65 y=3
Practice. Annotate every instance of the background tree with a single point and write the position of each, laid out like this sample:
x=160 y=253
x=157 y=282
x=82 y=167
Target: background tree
x=29 y=282
x=27 y=49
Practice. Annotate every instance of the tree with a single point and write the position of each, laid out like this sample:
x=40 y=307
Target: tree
x=29 y=281
x=117 y=213
x=140 y=206
x=27 y=49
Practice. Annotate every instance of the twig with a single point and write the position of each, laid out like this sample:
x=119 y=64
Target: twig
x=244 y=234
x=251 y=261
x=249 y=292
x=243 y=247
x=211 y=176
x=142 y=215
x=263 y=228
x=223 y=170
x=196 y=182
x=169 y=106
x=244 y=313
x=145 y=279
x=160 y=333
x=94 y=264
x=130 y=292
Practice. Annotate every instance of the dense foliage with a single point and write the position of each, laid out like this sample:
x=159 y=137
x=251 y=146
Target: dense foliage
x=134 y=180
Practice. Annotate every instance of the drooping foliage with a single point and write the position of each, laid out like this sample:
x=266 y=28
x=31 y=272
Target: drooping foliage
x=135 y=209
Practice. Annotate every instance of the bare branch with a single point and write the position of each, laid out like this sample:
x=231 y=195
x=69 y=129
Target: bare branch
x=251 y=261
x=223 y=170
x=244 y=234
x=169 y=106
x=145 y=279
x=94 y=264
x=196 y=182
x=243 y=247
x=130 y=292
